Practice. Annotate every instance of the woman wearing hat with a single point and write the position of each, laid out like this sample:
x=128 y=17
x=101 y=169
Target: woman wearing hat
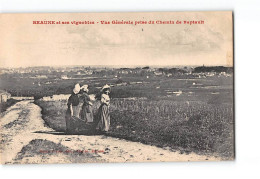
x=103 y=111
x=73 y=108
x=86 y=112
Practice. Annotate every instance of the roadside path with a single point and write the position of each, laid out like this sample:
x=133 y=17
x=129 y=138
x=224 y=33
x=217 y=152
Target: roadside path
x=25 y=139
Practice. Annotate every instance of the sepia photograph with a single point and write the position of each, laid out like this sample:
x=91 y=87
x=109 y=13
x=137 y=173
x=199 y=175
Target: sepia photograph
x=116 y=87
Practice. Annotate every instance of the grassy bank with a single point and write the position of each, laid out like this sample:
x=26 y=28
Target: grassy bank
x=45 y=149
x=184 y=126
x=7 y=104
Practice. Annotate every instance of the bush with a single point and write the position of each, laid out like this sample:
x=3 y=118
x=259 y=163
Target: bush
x=8 y=103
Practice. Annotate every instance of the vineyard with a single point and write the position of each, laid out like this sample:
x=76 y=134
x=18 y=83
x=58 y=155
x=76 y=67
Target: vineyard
x=183 y=126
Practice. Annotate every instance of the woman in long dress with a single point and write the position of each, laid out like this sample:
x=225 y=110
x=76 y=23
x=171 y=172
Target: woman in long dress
x=86 y=113
x=103 y=111
x=73 y=108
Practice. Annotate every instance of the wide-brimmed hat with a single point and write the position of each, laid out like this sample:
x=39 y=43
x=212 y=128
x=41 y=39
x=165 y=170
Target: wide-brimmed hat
x=84 y=87
x=105 y=87
x=76 y=89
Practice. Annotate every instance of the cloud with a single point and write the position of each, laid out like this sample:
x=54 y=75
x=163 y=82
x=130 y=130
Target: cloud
x=119 y=44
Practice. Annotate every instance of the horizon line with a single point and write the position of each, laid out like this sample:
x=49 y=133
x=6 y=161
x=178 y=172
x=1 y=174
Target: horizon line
x=113 y=66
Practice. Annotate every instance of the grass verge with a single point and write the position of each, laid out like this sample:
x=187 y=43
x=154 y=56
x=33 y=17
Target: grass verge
x=7 y=104
x=187 y=127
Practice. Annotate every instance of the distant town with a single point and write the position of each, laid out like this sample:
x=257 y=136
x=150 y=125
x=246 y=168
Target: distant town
x=37 y=82
x=81 y=71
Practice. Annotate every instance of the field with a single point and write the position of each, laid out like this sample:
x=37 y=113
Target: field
x=182 y=114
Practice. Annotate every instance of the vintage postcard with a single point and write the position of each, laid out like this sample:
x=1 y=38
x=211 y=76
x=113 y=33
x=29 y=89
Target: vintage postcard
x=116 y=87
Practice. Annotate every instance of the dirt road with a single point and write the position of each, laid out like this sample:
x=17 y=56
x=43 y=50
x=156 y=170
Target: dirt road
x=25 y=139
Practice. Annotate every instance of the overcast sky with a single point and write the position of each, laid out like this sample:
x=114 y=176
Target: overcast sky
x=24 y=44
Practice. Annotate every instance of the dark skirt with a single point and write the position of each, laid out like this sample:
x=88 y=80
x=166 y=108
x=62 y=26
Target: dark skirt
x=71 y=120
x=103 y=117
x=86 y=113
